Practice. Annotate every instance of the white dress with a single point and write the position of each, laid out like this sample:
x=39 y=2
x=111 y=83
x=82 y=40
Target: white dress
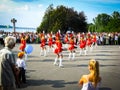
x=89 y=85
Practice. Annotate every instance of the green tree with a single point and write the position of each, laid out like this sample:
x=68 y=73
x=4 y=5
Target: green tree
x=101 y=21
x=106 y=23
x=62 y=18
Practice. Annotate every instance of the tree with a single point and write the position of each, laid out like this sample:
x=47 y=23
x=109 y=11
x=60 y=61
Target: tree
x=107 y=23
x=101 y=21
x=62 y=18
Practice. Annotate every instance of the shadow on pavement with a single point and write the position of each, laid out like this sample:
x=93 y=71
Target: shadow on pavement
x=53 y=83
x=105 y=88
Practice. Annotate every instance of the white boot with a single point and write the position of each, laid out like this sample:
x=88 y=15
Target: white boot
x=41 y=52
x=85 y=52
x=45 y=52
x=91 y=48
x=80 y=51
x=73 y=56
x=70 y=54
x=48 y=50
x=60 y=62
x=55 y=62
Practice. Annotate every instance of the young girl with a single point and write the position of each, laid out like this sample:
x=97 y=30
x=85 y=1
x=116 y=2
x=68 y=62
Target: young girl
x=71 y=48
x=58 y=52
x=82 y=45
x=23 y=43
x=92 y=80
x=43 y=45
x=22 y=66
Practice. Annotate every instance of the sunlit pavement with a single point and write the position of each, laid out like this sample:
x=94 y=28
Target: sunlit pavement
x=43 y=75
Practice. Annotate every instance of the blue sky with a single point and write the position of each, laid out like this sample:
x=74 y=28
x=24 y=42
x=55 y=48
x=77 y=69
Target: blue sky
x=29 y=13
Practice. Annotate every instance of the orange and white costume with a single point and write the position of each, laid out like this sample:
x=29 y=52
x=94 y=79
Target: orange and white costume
x=82 y=45
x=42 y=45
x=50 y=42
x=71 y=48
x=23 y=43
x=89 y=43
x=66 y=40
x=58 y=51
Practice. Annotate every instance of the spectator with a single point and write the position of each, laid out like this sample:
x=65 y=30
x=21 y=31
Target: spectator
x=7 y=65
x=22 y=67
x=92 y=80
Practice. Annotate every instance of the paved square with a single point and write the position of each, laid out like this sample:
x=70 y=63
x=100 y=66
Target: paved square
x=43 y=75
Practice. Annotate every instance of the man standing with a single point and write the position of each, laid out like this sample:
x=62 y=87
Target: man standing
x=7 y=65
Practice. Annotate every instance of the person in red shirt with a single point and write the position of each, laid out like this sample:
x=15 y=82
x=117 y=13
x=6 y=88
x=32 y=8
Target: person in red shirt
x=50 y=41
x=94 y=39
x=88 y=42
x=43 y=45
x=71 y=48
x=82 y=45
x=58 y=52
x=66 y=40
x=23 y=43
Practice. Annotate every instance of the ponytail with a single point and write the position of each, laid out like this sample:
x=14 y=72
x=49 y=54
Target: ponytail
x=95 y=67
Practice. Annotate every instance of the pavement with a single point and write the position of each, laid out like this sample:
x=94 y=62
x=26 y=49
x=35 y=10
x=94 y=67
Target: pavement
x=43 y=75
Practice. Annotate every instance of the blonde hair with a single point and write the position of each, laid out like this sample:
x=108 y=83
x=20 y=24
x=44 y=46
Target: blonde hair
x=21 y=54
x=9 y=41
x=95 y=68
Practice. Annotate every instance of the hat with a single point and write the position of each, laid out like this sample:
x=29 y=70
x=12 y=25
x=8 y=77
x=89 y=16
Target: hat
x=20 y=54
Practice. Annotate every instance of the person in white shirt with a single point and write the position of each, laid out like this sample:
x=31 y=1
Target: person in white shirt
x=22 y=66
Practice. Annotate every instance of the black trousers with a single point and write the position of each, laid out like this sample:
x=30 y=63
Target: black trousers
x=22 y=76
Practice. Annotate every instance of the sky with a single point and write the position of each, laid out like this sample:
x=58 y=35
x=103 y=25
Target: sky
x=29 y=13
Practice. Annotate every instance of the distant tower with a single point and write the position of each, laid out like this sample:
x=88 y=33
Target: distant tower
x=13 y=20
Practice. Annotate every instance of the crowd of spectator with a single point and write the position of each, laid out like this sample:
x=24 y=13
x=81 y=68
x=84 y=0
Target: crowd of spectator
x=111 y=38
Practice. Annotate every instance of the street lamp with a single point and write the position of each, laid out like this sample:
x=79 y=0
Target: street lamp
x=13 y=20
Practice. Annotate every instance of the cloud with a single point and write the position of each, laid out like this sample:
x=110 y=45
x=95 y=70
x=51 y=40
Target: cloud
x=40 y=5
x=23 y=8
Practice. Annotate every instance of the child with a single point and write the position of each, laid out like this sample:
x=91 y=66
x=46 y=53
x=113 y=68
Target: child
x=92 y=80
x=43 y=45
x=22 y=66
x=71 y=48
x=58 y=52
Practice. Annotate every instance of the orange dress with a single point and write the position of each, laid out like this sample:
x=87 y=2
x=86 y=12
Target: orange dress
x=71 y=45
x=42 y=42
x=82 y=43
x=89 y=42
x=66 y=39
x=94 y=39
x=58 y=48
x=23 y=44
x=50 y=41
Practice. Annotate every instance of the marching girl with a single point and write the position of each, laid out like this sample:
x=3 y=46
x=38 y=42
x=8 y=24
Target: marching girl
x=71 y=48
x=89 y=43
x=42 y=45
x=66 y=40
x=58 y=52
x=50 y=42
x=94 y=40
x=82 y=45
x=23 y=45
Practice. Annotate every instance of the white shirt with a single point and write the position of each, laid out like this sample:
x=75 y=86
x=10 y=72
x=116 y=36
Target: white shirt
x=21 y=63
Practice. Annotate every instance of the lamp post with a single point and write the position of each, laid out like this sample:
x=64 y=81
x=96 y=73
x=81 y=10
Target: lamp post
x=13 y=20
